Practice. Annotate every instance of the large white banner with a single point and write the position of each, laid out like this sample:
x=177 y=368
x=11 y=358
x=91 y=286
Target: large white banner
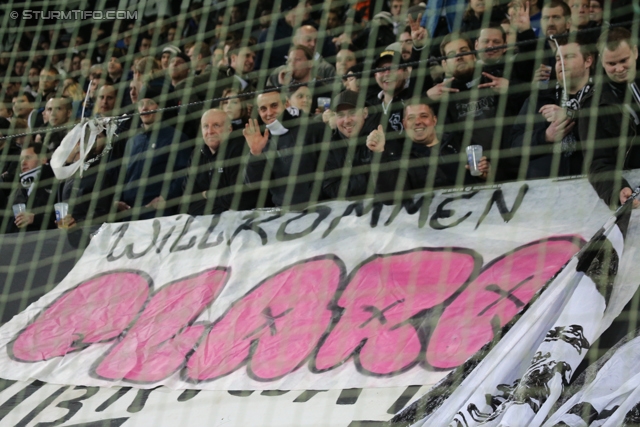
x=346 y=295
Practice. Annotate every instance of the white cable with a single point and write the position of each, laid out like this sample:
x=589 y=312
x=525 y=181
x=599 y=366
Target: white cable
x=565 y=96
x=86 y=98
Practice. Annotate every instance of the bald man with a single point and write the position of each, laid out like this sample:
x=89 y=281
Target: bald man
x=218 y=184
x=307 y=36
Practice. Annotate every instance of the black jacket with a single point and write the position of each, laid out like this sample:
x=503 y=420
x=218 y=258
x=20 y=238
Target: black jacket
x=475 y=110
x=291 y=157
x=610 y=115
x=529 y=57
x=95 y=184
x=544 y=155
x=217 y=174
x=40 y=202
x=391 y=118
x=345 y=155
x=409 y=166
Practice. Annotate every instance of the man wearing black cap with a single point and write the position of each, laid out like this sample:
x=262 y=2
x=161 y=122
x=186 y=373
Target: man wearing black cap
x=349 y=161
x=284 y=151
x=395 y=88
x=151 y=156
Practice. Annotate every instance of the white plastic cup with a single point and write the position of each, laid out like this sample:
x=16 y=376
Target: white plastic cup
x=20 y=207
x=474 y=153
x=544 y=84
x=324 y=102
x=62 y=209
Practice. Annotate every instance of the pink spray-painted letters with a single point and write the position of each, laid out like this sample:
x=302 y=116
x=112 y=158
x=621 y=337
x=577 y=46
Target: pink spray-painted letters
x=499 y=292
x=277 y=325
x=378 y=302
x=433 y=307
x=158 y=343
x=94 y=311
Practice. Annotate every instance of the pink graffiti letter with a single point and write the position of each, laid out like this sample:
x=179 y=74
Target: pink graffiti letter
x=97 y=310
x=379 y=301
x=158 y=343
x=494 y=297
x=275 y=327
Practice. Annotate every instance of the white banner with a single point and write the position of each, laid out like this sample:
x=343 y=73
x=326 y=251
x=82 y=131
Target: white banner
x=347 y=295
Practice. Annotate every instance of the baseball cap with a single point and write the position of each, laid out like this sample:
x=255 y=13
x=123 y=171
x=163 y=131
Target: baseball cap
x=347 y=99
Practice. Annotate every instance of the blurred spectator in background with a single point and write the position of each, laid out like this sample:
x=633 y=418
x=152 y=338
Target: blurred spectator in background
x=23 y=104
x=167 y=53
x=35 y=192
x=345 y=59
x=59 y=113
x=579 y=14
x=241 y=65
x=33 y=80
x=179 y=68
x=235 y=108
x=294 y=14
x=6 y=108
x=80 y=192
x=49 y=80
x=114 y=69
x=200 y=57
x=300 y=97
x=596 y=12
x=307 y=36
x=150 y=152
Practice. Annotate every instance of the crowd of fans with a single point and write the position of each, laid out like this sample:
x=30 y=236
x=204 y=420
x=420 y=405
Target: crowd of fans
x=248 y=107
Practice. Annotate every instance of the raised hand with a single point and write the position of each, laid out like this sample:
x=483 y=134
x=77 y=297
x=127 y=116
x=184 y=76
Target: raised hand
x=437 y=92
x=284 y=76
x=519 y=16
x=499 y=85
x=376 y=140
x=418 y=33
x=342 y=39
x=255 y=139
x=329 y=118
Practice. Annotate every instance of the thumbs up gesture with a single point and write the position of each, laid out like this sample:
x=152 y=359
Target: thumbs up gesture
x=376 y=140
